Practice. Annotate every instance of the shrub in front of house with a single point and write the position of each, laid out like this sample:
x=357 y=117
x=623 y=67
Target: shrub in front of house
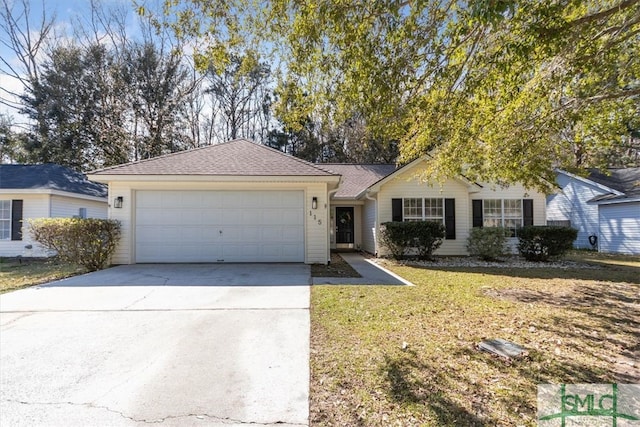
x=488 y=243
x=427 y=237
x=422 y=237
x=543 y=243
x=87 y=242
x=394 y=236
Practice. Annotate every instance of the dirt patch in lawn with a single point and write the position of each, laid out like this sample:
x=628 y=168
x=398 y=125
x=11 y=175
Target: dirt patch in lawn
x=337 y=268
x=407 y=355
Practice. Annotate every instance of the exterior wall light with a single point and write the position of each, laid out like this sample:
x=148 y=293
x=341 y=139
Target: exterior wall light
x=314 y=203
x=117 y=202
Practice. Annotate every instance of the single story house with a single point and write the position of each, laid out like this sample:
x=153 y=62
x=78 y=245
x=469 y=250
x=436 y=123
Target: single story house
x=243 y=202
x=603 y=206
x=43 y=191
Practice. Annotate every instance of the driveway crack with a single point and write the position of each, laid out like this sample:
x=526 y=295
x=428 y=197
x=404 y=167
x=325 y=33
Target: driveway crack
x=159 y=420
x=142 y=298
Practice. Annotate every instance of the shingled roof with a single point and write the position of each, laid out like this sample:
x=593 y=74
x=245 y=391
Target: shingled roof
x=48 y=176
x=239 y=157
x=357 y=178
x=626 y=181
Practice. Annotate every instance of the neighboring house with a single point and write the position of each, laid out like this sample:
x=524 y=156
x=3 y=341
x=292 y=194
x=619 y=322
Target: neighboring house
x=602 y=205
x=243 y=202
x=43 y=191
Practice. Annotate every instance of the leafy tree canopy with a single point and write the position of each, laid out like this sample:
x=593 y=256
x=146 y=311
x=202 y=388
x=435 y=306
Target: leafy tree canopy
x=497 y=90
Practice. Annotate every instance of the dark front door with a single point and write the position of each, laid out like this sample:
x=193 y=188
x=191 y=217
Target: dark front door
x=344 y=225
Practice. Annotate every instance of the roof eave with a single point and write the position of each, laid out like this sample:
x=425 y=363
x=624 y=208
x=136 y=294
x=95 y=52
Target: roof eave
x=48 y=191
x=106 y=178
x=590 y=182
x=617 y=200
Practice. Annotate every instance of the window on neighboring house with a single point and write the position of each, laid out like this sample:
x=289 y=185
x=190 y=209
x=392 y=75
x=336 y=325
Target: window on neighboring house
x=505 y=213
x=5 y=219
x=415 y=209
x=82 y=212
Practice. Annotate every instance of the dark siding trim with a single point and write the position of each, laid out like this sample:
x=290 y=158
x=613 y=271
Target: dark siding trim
x=527 y=211
x=478 y=220
x=450 y=218
x=16 y=220
x=396 y=210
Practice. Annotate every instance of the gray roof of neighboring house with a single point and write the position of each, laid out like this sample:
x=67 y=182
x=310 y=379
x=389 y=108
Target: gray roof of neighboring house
x=625 y=180
x=357 y=178
x=48 y=176
x=239 y=157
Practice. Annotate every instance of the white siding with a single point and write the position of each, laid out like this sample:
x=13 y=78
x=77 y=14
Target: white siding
x=33 y=206
x=316 y=221
x=369 y=226
x=570 y=204
x=68 y=207
x=410 y=185
x=515 y=191
x=620 y=228
x=407 y=185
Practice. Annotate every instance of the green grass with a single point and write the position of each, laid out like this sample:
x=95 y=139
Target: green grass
x=15 y=275
x=579 y=325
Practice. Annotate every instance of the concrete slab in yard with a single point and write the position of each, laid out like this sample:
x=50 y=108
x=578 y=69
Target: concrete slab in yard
x=118 y=355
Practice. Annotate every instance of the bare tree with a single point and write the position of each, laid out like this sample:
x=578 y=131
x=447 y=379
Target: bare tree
x=27 y=41
x=240 y=99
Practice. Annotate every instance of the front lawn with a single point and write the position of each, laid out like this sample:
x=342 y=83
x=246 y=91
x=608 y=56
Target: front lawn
x=16 y=275
x=406 y=355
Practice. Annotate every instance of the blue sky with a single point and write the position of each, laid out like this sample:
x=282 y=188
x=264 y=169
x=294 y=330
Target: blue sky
x=68 y=14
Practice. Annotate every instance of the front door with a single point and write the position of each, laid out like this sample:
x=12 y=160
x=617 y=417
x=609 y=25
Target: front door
x=344 y=227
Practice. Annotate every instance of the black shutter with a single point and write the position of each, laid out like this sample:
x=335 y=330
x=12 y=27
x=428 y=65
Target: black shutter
x=477 y=213
x=396 y=210
x=527 y=211
x=16 y=220
x=450 y=218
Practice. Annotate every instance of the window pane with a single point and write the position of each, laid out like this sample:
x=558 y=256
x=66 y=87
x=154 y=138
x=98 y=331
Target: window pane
x=5 y=219
x=434 y=210
x=513 y=209
x=492 y=212
x=412 y=209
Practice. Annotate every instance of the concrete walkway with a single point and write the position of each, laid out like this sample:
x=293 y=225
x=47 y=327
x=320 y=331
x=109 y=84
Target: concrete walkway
x=372 y=274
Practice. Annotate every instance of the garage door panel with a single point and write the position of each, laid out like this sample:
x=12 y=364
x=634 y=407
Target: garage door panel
x=210 y=226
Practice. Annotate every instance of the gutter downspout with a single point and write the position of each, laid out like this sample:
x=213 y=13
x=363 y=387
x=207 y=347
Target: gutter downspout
x=375 y=226
x=329 y=195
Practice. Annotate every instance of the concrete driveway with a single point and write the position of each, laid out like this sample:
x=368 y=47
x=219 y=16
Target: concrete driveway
x=174 y=345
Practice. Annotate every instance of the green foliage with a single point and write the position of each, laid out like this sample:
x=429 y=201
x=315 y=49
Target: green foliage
x=87 y=242
x=501 y=91
x=487 y=243
x=542 y=243
x=394 y=236
x=422 y=236
x=427 y=237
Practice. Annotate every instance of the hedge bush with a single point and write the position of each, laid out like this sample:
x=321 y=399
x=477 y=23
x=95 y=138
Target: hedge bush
x=87 y=242
x=488 y=243
x=422 y=236
x=542 y=243
x=395 y=237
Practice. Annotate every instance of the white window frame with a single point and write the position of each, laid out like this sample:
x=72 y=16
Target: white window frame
x=423 y=208
x=5 y=233
x=502 y=219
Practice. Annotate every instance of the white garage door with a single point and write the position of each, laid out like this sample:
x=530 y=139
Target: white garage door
x=219 y=226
